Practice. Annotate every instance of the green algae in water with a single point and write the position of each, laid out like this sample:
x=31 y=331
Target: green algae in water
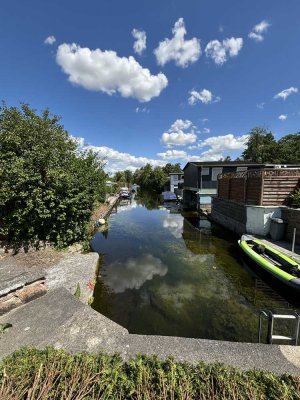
x=161 y=275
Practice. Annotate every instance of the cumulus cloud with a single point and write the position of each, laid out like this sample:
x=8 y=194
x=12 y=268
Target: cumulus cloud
x=182 y=52
x=116 y=160
x=258 y=30
x=205 y=130
x=176 y=135
x=225 y=142
x=105 y=71
x=50 y=40
x=220 y=51
x=140 y=41
x=286 y=93
x=282 y=117
x=173 y=154
x=205 y=96
x=133 y=272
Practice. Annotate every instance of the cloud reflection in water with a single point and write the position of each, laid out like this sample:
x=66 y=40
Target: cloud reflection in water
x=133 y=272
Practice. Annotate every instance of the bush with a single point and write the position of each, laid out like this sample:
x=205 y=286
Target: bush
x=48 y=188
x=296 y=197
x=53 y=374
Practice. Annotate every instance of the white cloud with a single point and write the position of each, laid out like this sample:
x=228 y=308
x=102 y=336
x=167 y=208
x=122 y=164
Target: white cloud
x=225 y=142
x=256 y=33
x=220 y=51
x=178 y=138
x=140 y=41
x=285 y=93
x=176 y=135
x=105 y=71
x=205 y=130
x=116 y=160
x=181 y=124
x=205 y=96
x=173 y=154
x=142 y=110
x=50 y=40
x=183 y=52
x=260 y=105
x=282 y=117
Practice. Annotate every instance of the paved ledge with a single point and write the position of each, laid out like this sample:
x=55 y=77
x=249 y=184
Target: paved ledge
x=57 y=317
x=74 y=268
x=60 y=320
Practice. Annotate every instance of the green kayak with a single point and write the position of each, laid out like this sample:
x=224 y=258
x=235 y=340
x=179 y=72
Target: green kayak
x=276 y=263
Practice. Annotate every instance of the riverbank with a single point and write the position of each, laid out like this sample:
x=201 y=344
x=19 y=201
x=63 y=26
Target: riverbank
x=104 y=209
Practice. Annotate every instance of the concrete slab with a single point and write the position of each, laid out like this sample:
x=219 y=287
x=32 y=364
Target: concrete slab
x=57 y=317
x=13 y=278
x=74 y=268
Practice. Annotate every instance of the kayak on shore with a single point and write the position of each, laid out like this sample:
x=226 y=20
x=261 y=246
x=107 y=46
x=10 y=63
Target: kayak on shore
x=273 y=261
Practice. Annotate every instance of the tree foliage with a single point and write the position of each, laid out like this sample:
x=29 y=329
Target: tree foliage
x=48 y=188
x=263 y=148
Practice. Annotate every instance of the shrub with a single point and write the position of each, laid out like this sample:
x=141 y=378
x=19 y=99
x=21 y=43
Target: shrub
x=53 y=374
x=48 y=188
x=296 y=197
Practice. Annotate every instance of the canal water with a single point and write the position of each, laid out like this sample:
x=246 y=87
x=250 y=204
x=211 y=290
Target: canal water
x=166 y=272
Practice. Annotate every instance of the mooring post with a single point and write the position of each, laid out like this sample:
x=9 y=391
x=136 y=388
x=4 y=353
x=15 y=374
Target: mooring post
x=294 y=239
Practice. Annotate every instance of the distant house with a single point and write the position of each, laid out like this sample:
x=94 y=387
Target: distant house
x=201 y=178
x=176 y=179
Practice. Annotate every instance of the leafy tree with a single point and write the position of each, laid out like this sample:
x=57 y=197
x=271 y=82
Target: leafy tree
x=169 y=168
x=128 y=175
x=48 y=188
x=261 y=146
x=288 y=148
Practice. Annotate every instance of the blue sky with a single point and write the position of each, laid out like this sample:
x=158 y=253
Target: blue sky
x=201 y=75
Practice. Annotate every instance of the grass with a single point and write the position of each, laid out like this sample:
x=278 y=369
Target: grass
x=53 y=374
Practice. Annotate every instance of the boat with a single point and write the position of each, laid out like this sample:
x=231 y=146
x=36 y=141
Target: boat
x=273 y=261
x=168 y=196
x=124 y=193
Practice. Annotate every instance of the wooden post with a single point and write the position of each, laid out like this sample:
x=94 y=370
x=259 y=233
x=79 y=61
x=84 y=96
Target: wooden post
x=262 y=188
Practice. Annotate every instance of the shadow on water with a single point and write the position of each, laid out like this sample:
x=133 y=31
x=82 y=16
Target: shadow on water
x=167 y=273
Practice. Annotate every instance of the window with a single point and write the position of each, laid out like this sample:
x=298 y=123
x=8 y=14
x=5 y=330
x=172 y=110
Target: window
x=215 y=172
x=204 y=171
x=240 y=169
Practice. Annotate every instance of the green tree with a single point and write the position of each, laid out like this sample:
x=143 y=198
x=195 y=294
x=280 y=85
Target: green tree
x=169 y=168
x=289 y=148
x=128 y=175
x=48 y=188
x=261 y=146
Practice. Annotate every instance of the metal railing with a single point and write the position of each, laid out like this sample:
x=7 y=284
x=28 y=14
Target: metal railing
x=271 y=317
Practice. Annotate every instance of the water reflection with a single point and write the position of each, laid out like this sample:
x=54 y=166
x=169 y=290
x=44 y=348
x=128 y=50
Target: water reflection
x=166 y=274
x=174 y=222
x=133 y=272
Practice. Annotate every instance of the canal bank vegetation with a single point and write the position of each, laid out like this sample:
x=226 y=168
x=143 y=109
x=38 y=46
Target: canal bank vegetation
x=149 y=178
x=48 y=187
x=53 y=374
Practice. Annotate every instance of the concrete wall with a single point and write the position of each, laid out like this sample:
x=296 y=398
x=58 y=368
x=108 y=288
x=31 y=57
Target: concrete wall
x=241 y=219
x=259 y=219
x=292 y=216
x=229 y=214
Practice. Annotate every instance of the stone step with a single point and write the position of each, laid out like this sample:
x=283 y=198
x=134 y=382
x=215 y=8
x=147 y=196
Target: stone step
x=56 y=319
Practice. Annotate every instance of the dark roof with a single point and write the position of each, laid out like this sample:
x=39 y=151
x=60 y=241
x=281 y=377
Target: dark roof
x=233 y=163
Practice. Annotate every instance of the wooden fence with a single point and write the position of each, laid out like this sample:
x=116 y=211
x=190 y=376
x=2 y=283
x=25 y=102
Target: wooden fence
x=266 y=187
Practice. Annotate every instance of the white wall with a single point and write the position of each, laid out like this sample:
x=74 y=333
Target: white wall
x=259 y=219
